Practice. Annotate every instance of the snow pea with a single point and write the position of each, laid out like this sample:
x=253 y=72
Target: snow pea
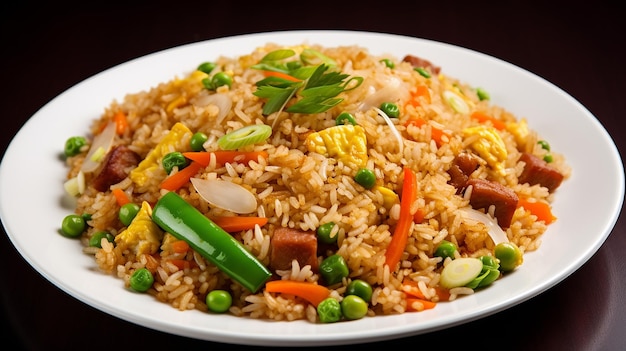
x=179 y=218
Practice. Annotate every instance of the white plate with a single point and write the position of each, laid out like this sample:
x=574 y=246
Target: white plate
x=567 y=245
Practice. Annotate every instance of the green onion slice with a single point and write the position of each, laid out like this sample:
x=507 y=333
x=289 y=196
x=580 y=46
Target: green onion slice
x=247 y=135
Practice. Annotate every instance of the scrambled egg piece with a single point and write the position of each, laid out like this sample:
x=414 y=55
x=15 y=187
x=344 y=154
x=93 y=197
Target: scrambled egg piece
x=142 y=235
x=172 y=141
x=519 y=131
x=489 y=146
x=347 y=143
x=390 y=198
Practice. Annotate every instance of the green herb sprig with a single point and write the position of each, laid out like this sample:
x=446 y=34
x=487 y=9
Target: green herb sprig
x=316 y=86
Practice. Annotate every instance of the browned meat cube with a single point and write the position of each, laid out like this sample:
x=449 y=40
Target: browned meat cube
x=292 y=244
x=119 y=161
x=537 y=171
x=486 y=193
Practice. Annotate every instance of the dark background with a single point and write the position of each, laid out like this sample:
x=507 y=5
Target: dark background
x=47 y=48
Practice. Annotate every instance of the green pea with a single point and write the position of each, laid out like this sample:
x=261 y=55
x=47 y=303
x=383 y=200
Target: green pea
x=96 y=238
x=329 y=310
x=221 y=78
x=445 y=249
x=544 y=145
x=128 y=212
x=219 y=301
x=345 y=118
x=360 y=288
x=548 y=158
x=365 y=177
x=390 y=109
x=509 y=256
x=86 y=216
x=482 y=94
x=422 y=71
x=174 y=159
x=141 y=280
x=207 y=67
x=353 y=307
x=73 y=225
x=73 y=145
x=388 y=63
x=324 y=233
x=197 y=141
x=333 y=269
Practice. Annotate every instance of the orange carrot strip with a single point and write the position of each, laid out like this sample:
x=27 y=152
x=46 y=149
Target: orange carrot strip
x=238 y=223
x=420 y=94
x=225 y=156
x=179 y=246
x=435 y=133
x=120 y=197
x=540 y=209
x=121 y=123
x=312 y=292
x=180 y=178
x=418 y=217
x=482 y=117
x=180 y=263
x=401 y=233
x=281 y=75
x=410 y=287
x=417 y=305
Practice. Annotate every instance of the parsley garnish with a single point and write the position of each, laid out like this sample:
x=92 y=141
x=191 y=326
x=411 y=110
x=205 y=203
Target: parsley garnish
x=315 y=87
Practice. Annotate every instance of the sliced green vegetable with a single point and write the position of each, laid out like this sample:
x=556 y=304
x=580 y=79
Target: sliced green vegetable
x=345 y=118
x=388 y=63
x=247 y=135
x=482 y=94
x=422 y=71
x=206 y=67
x=174 y=215
x=488 y=274
x=391 y=109
x=460 y=272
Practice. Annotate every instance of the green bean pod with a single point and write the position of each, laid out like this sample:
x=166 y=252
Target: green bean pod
x=174 y=215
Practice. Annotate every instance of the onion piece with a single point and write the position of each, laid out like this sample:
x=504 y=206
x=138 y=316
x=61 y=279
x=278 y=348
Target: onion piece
x=394 y=130
x=222 y=101
x=456 y=102
x=393 y=90
x=226 y=195
x=101 y=144
x=493 y=229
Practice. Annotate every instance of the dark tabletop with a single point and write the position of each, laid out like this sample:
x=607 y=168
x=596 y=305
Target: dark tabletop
x=47 y=48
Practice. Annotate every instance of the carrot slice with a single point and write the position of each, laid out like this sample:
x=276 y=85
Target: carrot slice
x=401 y=233
x=482 y=117
x=180 y=178
x=281 y=75
x=121 y=123
x=238 y=223
x=417 y=305
x=120 y=197
x=225 y=156
x=179 y=246
x=540 y=209
x=313 y=293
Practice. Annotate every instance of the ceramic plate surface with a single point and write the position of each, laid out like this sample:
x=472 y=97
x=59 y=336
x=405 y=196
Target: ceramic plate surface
x=558 y=117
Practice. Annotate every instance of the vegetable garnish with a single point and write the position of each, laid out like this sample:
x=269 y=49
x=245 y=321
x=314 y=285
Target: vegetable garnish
x=226 y=195
x=180 y=178
x=316 y=88
x=401 y=233
x=540 y=209
x=177 y=217
x=460 y=272
x=120 y=197
x=101 y=144
x=233 y=224
x=394 y=130
x=245 y=136
x=493 y=229
x=312 y=292
x=225 y=156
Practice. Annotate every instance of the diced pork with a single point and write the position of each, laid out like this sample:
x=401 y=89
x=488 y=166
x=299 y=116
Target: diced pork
x=119 y=161
x=462 y=167
x=486 y=193
x=291 y=244
x=538 y=171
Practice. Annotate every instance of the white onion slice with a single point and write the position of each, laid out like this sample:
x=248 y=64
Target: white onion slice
x=394 y=130
x=393 y=90
x=226 y=195
x=222 y=101
x=102 y=142
x=493 y=229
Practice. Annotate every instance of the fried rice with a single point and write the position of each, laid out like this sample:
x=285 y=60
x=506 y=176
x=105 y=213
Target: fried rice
x=302 y=188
